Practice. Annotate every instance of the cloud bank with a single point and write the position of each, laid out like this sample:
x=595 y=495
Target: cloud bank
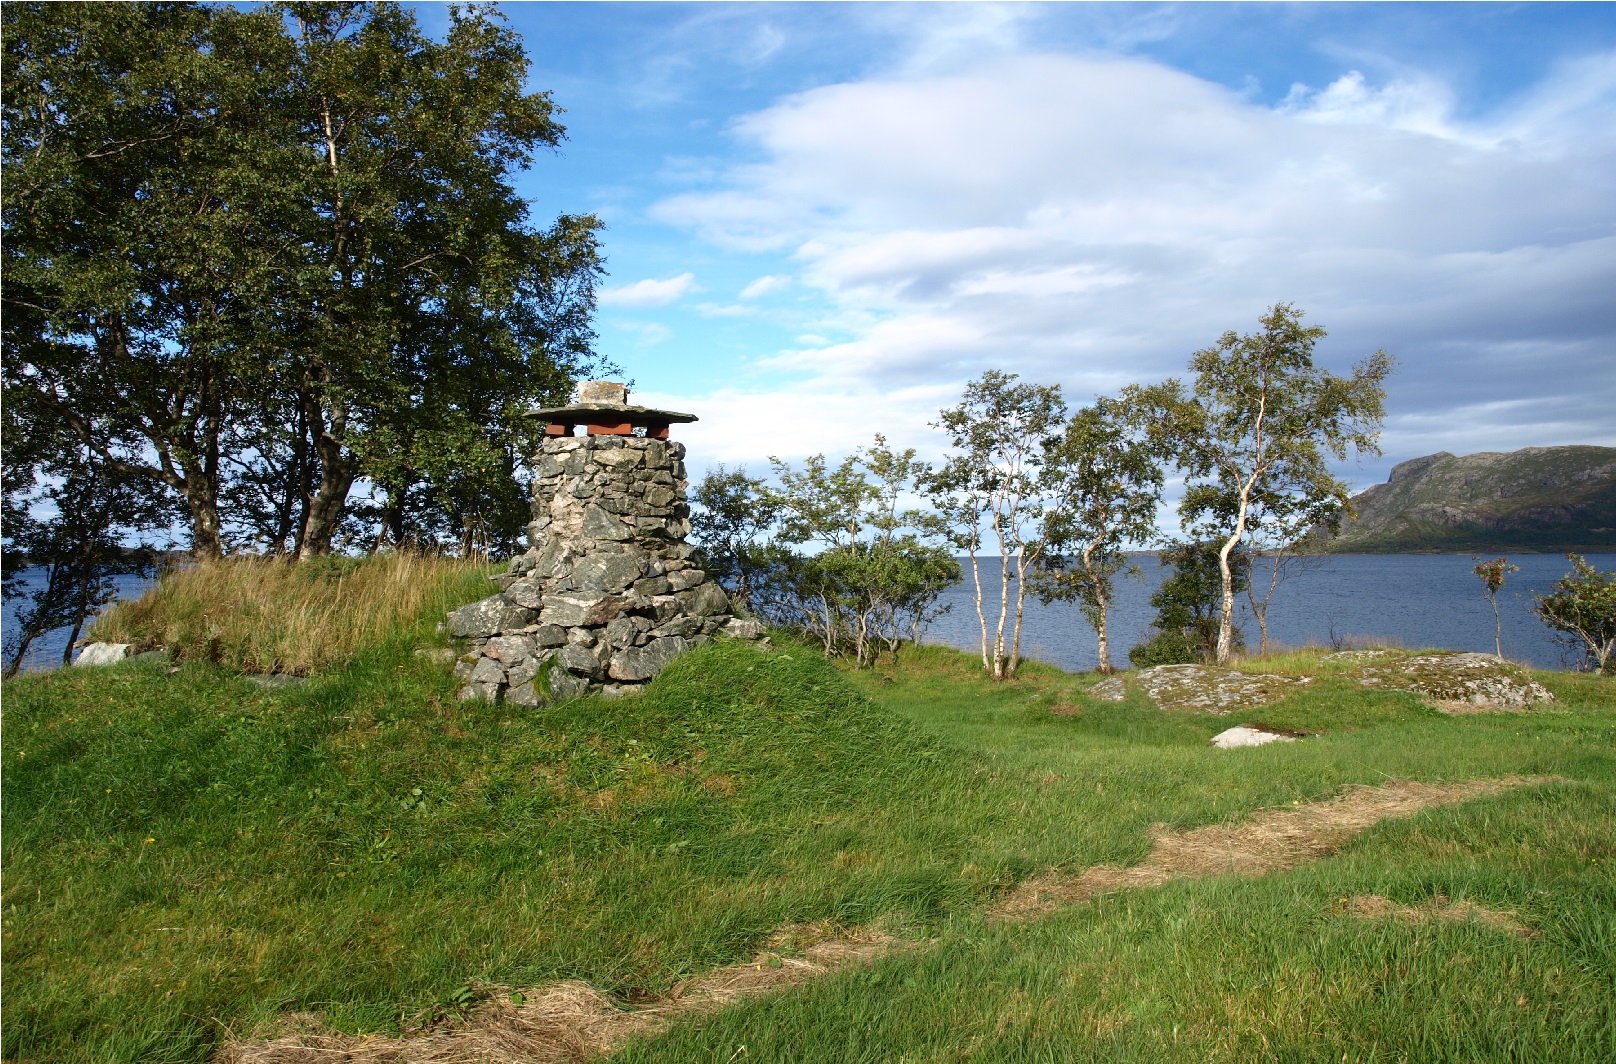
x=1093 y=219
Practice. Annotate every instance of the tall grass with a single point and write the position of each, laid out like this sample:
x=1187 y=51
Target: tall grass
x=266 y=615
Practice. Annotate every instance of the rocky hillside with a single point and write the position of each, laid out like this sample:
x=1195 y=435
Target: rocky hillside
x=1537 y=499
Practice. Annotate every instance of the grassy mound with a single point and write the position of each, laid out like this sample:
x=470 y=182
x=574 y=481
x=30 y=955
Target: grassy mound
x=188 y=852
x=267 y=615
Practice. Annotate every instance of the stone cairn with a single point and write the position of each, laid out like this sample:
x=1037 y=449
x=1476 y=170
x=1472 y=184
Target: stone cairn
x=607 y=594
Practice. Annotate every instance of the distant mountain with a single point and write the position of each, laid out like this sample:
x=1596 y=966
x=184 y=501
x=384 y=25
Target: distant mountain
x=1537 y=499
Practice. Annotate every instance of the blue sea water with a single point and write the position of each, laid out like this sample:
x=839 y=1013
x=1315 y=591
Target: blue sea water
x=46 y=651
x=1412 y=600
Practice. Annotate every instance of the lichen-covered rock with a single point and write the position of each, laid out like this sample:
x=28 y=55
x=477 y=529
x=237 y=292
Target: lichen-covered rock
x=1110 y=689
x=491 y=616
x=642 y=663
x=1209 y=689
x=1471 y=679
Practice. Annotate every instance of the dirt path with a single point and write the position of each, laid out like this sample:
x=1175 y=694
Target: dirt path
x=569 y=1021
x=574 y=1022
x=1267 y=842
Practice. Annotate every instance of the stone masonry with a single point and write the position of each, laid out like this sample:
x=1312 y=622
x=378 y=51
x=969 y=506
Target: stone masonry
x=607 y=593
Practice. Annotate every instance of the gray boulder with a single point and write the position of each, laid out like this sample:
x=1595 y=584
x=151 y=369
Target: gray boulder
x=579 y=661
x=509 y=649
x=705 y=600
x=642 y=663
x=487 y=670
x=102 y=654
x=489 y=617
x=580 y=609
x=598 y=524
x=607 y=572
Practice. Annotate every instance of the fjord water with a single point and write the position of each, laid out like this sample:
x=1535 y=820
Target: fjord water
x=1411 y=600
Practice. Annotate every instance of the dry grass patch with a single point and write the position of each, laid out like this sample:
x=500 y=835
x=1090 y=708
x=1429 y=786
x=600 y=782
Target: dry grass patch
x=1270 y=841
x=570 y=1021
x=267 y=615
x=1438 y=909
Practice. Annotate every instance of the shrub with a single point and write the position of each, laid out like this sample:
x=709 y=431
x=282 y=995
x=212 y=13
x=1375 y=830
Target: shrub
x=1165 y=648
x=1582 y=607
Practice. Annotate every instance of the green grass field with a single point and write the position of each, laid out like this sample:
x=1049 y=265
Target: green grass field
x=189 y=858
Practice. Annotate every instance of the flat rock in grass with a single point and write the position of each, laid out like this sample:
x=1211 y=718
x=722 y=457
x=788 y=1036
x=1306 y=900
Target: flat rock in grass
x=1355 y=656
x=1208 y=689
x=273 y=680
x=1249 y=735
x=103 y=654
x=1110 y=689
x=1461 y=679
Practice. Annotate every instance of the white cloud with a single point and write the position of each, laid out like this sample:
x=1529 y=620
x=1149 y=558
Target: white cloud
x=646 y=334
x=1093 y=220
x=766 y=285
x=649 y=292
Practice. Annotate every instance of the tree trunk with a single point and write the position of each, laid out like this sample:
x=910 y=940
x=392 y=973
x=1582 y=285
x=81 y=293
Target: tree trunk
x=1105 y=666
x=981 y=617
x=337 y=473
x=202 y=499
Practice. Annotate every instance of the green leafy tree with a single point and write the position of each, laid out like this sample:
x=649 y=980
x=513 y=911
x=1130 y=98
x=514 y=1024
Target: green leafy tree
x=732 y=518
x=1581 y=606
x=282 y=246
x=1109 y=487
x=1188 y=619
x=1260 y=423
x=139 y=140
x=870 y=580
x=66 y=515
x=1001 y=475
x=428 y=312
x=1491 y=574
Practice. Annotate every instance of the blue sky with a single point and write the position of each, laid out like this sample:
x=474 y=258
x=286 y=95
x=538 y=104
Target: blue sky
x=824 y=219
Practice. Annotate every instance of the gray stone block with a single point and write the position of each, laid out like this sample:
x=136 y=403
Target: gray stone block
x=489 y=617
x=487 y=670
x=520 y=674
x=706 y=599
x=588 y=609
x=743 y=628
x=578 y=661
x=686 y=579
x=549 y=635
x=607 y=572
x=564 y=684
x=509 y=649
x=526 y=694
x=652 y=586
x=598 y=524
x=642 y=663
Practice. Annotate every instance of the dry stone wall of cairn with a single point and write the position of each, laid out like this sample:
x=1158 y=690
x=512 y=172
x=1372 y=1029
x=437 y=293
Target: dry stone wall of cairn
x=607 y=593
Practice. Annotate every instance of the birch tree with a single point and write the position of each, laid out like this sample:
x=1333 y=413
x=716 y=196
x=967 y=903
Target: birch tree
x=1004 y=435
x=1261 y=420
x=1106 y=486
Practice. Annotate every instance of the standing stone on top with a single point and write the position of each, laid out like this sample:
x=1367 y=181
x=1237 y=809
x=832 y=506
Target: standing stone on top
x=606 y=595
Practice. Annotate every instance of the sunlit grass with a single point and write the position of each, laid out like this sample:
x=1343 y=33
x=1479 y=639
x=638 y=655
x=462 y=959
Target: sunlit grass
x=188 y=854
x=267 y=615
